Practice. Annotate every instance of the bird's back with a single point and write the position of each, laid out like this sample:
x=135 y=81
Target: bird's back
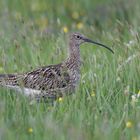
x=50 y=79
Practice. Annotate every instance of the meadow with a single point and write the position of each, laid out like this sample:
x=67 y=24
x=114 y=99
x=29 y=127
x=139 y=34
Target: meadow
x=106 y=104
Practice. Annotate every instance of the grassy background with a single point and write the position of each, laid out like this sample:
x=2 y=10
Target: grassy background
x=105 y=106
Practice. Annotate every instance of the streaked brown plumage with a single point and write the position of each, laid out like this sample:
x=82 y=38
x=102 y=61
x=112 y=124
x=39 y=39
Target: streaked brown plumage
x=51 y=81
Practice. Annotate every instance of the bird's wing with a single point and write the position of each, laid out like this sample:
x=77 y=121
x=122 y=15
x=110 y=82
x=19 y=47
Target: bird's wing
x=45 y=78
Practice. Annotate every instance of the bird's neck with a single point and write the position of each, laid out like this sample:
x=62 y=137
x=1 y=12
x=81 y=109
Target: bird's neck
x=74 y=51
x=74 y=56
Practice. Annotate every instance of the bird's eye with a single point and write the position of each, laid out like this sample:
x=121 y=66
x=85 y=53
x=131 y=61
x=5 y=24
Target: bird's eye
x=78 y=37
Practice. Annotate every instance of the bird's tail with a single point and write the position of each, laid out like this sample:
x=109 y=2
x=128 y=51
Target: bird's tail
x=8 y=79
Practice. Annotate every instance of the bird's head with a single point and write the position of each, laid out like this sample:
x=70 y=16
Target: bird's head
x=78 y=39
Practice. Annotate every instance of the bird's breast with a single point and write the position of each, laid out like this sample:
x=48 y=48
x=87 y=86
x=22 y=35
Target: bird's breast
x=75 y=76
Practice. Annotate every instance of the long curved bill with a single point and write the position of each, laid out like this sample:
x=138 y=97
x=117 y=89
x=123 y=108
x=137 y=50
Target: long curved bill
x=90 y=41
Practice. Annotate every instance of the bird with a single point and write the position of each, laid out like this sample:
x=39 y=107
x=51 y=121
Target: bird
x=53 y=81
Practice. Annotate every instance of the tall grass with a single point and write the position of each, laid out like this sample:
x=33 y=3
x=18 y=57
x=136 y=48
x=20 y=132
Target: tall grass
x=31 y=35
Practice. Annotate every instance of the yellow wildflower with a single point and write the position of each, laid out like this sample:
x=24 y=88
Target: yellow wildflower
x=60 y=99
x=65 y=29
x=30 y=130
x=80 y=25
x=75 y=15
x=139 y=93
x=93 y=94
x=129 y=124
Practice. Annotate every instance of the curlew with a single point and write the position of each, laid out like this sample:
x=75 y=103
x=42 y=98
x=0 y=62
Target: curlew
x=51 y=81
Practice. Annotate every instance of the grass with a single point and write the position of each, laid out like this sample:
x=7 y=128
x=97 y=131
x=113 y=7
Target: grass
x=105 y=105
